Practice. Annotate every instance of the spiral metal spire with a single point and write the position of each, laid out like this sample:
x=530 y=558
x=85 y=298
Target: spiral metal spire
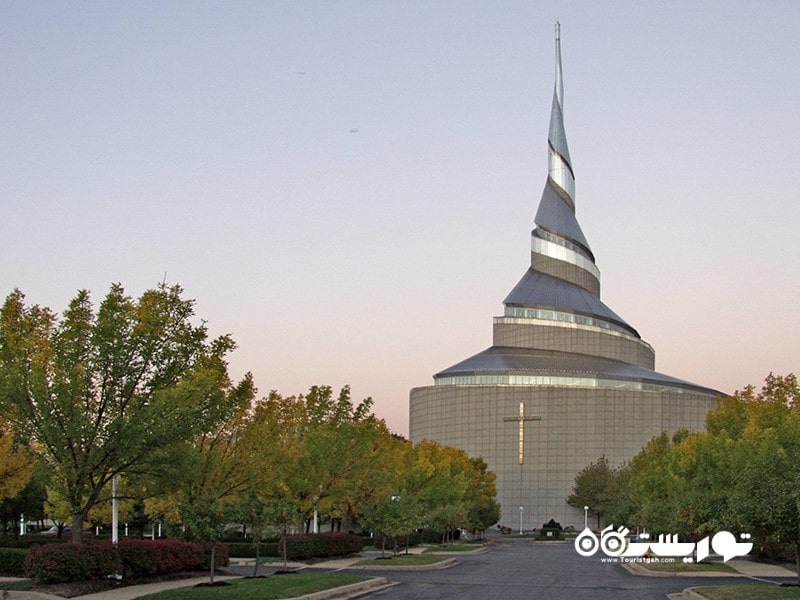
x=559 y=247
x=560 y=166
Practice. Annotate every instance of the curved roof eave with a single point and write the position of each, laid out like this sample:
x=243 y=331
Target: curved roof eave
x=520 y=361
x=537 y=289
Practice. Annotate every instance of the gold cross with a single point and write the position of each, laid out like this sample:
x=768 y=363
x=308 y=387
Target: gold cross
x=521 y=419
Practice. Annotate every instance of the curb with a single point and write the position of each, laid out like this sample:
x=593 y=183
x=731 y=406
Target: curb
x=457 y=552
x=635 y=569
x=444 y=564
x=350 y=591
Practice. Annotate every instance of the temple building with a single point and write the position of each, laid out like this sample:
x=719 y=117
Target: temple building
x=566 y=379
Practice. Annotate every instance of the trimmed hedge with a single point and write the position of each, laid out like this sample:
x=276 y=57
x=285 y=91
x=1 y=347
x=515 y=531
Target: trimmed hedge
x=248 y=550
x=57 y=563
x=12 y=562
x=149 y=557
x=26 y=541
x=322 y=545
x=301 y=547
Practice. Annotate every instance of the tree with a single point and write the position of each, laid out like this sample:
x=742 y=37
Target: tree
x=28 y=501
x=283 y=513
x=16 y=465
x=97 y=391
x=483 y=514
x=595 y=487
x=449 y=486
x=391 y=516
x=741 y=473
x=765 y=499
x=323 y=450
x=204 y=520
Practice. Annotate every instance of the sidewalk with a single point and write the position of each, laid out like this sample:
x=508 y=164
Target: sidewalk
x=124 y=593
x=744 y=568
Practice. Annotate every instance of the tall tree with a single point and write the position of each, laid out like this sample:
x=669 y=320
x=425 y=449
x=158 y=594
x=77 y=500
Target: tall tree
x=97 y=391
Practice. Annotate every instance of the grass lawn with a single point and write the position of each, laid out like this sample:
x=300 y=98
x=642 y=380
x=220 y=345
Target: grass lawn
x=681 y=567
x=275 y=586
x=23 y=585
x=401 y=560
x=745 y=591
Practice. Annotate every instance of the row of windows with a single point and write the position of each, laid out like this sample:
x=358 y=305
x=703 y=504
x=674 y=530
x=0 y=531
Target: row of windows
x=557 y=239
x=563 y=317
x=551 y=380
x=558 y=252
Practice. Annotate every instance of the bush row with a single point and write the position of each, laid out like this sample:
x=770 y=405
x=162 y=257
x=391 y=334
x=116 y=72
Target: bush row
x=322 y=545
x=304 y=546
x=26 y=541
x=12 y=562
x=248 y=549
x=57 y=563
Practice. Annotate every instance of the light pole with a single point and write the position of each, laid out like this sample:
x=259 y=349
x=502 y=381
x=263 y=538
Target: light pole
x=520 y=520
x=114 y=512
x=585 y=517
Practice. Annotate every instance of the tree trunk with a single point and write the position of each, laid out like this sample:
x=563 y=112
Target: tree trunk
x=383 y=547
x=77 y=527
x=255 y=566
x=797 y=558
x=213 y=560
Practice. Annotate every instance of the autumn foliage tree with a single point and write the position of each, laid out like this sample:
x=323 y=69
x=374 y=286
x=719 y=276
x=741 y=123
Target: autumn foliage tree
x=95 y=391
x=741 y=473
x=16 y=465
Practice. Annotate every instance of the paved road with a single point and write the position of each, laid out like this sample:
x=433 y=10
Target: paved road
x=521 y=570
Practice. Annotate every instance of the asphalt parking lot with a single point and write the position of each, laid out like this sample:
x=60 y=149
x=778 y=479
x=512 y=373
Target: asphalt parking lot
x=521 y=569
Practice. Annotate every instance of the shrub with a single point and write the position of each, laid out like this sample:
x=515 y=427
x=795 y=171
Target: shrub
x=12 y=562
x=57 y=563
x=248 y=550
x=322 y=545
x=26 y=541
x=150 y=557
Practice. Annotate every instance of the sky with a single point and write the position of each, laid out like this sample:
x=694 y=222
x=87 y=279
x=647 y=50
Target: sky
x=348 y=188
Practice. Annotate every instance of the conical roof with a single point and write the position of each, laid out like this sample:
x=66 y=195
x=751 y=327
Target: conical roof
x=556 y=330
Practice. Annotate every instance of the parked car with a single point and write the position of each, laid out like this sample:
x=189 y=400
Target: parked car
x=54 y=530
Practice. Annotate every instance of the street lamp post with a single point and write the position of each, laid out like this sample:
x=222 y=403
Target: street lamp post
x=585 y=517
x=520 y=520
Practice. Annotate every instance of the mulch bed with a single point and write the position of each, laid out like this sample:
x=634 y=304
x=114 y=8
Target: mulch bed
x=79 y=588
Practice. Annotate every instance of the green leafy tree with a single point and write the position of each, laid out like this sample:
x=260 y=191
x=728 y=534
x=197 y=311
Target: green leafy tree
x=765 y=499
x=483 y=513
x=204 y=520
x=283 y=513
x=391 y=517
x=446 y=518
x=323 y=450
x=449 y=485
x=29 y=501
x=96 y=391
x=741 y=473
x=595 y=487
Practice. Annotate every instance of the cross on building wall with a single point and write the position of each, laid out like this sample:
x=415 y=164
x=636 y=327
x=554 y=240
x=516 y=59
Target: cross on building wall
x=521 y=419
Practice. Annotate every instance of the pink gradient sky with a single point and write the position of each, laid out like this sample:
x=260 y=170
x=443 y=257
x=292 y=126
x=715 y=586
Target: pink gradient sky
x=348 y=188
